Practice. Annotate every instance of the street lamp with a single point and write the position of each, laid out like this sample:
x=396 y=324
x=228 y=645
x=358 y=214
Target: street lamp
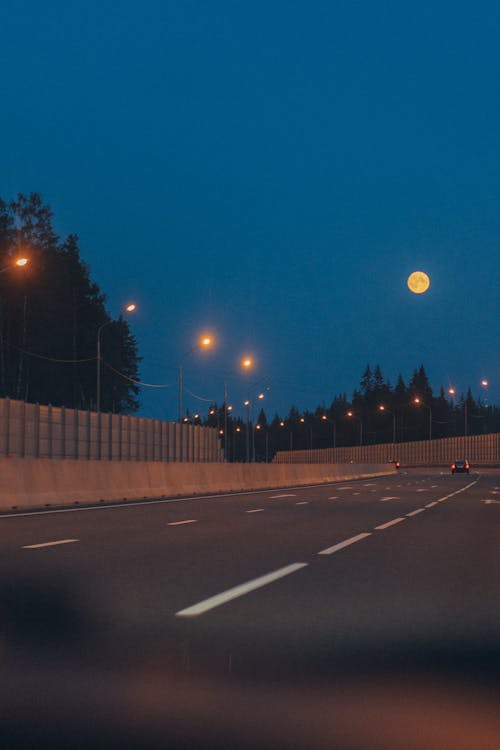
x=206 y=341
x=129 y=308
x=20 y=263
x=385 y=410
x=418 y=401
x=324 y=418
x=351 y=415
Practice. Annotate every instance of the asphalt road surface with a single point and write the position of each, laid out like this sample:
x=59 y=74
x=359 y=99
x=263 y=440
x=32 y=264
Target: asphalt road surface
x=372 y=588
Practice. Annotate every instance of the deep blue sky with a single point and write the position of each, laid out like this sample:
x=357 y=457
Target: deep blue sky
x=273 y=171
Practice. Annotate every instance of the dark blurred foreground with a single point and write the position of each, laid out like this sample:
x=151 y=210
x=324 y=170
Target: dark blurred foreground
x=68 y=682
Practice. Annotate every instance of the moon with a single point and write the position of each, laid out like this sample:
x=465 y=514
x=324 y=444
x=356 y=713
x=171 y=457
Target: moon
x=418 y=282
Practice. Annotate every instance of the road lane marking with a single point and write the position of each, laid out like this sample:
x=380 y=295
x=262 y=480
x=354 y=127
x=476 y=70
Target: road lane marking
x=345 y=543
x=345 y=488
x=370 y=484
x=431 y=505
x=49 y=544
x=276 y=497
x=423 y=489
x=386 y=499
x=334 y=497
x=389 y=523
x=355 y=493
x=433 y=486
x=255 y=510
x=119 y=505
x=181 y=523
x=303 y=502
x=234 y=593
x=416 y=512
x=489 y=501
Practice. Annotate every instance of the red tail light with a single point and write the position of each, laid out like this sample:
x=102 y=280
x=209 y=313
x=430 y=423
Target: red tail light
x=453 y=466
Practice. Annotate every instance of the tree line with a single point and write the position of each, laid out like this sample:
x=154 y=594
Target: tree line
x=411 y=411
x=50 y=313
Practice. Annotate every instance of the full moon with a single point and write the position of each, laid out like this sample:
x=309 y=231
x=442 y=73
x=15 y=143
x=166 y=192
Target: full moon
x=418 y=282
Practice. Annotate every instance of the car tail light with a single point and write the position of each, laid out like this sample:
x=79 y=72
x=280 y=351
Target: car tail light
x=467 y=466
x=453 y=466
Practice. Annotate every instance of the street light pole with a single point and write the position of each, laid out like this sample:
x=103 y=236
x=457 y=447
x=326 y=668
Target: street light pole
x=353 y=416
x=131 y=307
x=205 y=342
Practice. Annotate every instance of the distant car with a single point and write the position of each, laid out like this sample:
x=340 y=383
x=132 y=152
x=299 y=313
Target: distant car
x=396 y=463
x=460 y=467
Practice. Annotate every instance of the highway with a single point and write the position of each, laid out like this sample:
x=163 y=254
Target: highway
x=389 y=573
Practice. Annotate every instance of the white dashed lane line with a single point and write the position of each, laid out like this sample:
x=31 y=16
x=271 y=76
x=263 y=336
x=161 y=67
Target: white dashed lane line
x=278 y=497
x=182 y=523
x=389 y=523
x=431 y=505
x=345 y=543
x=386 y=499
x=226 y=596
x=416 y=512
x=303 y=502
x=49 y=544
x=255 y=510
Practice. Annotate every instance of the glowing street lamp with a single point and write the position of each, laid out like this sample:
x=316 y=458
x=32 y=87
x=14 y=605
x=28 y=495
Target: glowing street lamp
x=205 y=341
x=246 y=363
x=418 y=402
x=351 y=415
x=385 y=410
x=129 y=308
x=20 y=263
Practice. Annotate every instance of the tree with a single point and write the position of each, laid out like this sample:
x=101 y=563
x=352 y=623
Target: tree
x=49 y=318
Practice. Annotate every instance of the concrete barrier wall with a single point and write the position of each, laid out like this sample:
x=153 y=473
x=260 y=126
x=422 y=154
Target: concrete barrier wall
x=28 y=482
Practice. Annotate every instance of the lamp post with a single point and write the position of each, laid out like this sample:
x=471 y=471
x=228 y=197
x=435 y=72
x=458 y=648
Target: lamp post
x=205 y=342
x=385 y=410
x=418 y=401
x=131 y=307
x=20 y=263
x=302 y=420
x=351 y=415
x=324 y=418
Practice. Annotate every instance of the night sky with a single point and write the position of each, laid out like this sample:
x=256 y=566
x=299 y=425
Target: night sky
x=272 y=172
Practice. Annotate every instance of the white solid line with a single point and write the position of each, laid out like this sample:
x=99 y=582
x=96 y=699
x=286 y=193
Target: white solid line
x=256 y=510
x=49 y=544
x=345 y=543
x=416 y=512
x=431 y=505
x=276 y=497
x=389 y=523
x=181 y=523
x=303 y=502
x=385 y=499
x=237 y=591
